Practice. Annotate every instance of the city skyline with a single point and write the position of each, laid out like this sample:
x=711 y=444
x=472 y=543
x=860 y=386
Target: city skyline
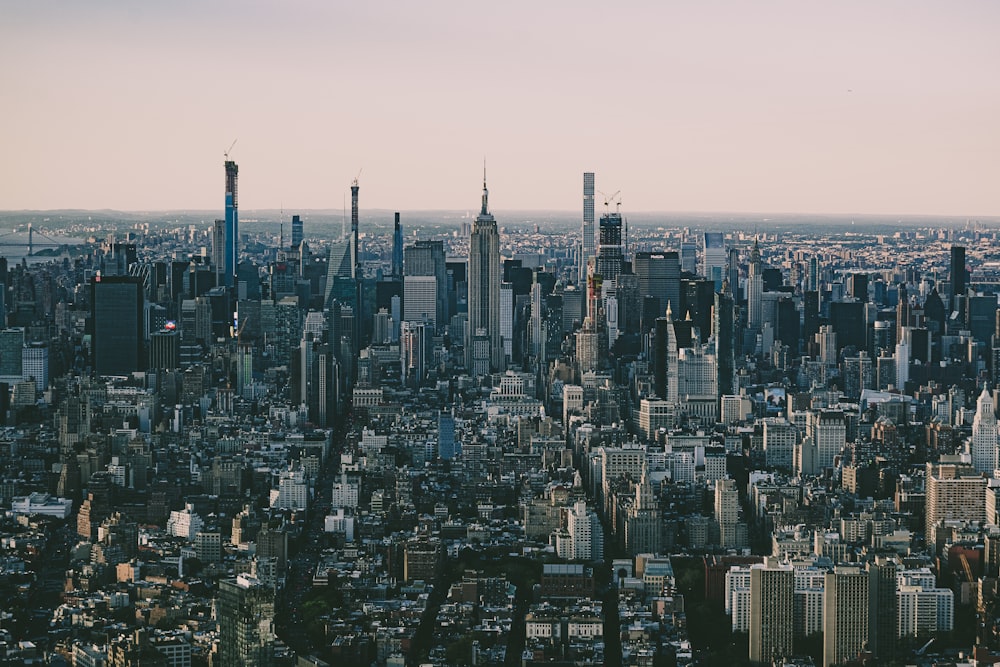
x=721 y=107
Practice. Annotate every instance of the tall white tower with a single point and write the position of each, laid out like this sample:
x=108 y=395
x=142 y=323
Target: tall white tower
x=983 y=446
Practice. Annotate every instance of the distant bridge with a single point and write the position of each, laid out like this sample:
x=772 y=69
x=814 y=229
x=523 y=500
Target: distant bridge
x=31 y=244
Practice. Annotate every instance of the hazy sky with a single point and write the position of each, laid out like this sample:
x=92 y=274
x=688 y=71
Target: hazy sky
x=848 y=106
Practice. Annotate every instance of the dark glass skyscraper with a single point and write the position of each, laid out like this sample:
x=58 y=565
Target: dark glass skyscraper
x=116 y=307
x=958 y=275
x=397 y=250
x=232 y=245
x=297 y=234
x=245 y=609
x=609 y=249
x=355 y=258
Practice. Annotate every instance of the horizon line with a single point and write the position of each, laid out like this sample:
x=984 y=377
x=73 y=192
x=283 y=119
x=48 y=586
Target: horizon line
x=563 y=212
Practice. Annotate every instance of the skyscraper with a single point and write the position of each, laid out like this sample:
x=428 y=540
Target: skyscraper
x=714 y=257
x=955 y=490
x=771 y=611
x=609 y=250
x=587 y=246
x=984 y=435
x=958 y=274
x=724 y=333
x=297 y=232
x=116 y=306
x=484 y=286
x=232 y=242
x=426 y=259
x=659 y=275
x=245 y=609
x=397 y=250
x=755 y=290
x=219 y=251
x=355 y=258
x=845 y=614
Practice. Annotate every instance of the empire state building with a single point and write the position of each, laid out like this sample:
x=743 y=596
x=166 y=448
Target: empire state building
x=484 y=349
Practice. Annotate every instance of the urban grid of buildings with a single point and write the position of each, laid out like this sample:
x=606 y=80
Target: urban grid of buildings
x=493 y=446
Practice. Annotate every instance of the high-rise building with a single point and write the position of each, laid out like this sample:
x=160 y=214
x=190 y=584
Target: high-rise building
x=397 y=249
x=845 y=614
x=245 y=610
x=643 y=524
x=883 y=609
x=755 y=290
x=297 y=231
x=727 y=514
x=959 y=277
x=35 y=364
x=219 y=251
x=587 y=245
x=164 y=349
x=232 y=241
x=714 y=257
x=659 y=275
x=610 y=256
x=983 y=446
x=355 y=257
x=484 y=287
x=828 y=431
x=772 y=626
x=426 y=258
x=724 y=333
x=11 y=356
x=955 y=490
x=448 y=446
x=116 y=307
x=420 y=303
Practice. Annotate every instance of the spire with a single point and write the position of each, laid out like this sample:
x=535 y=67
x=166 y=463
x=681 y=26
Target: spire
x=486 y=193
x=755 y=253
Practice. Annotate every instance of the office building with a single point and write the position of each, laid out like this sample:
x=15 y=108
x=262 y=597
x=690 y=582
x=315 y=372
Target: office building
x=659 y=276
x=845 y=614
x=771 y=611
x=297 y=231
x=232 y=231
x=397 y=249
x=116 y=307
x=426 y=259
x=955 y=490
x=755 y=290
x=714 y=257
x=245 y=611
x=355 y=257
x=11 y=354
x=587 y=247
x=448 y=446
x=219 y=251
x=484 y=290
x=959 y=276
x=610 y=256
x=983 y=446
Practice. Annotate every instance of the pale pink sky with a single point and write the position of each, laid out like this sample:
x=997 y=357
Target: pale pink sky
x=854 y=106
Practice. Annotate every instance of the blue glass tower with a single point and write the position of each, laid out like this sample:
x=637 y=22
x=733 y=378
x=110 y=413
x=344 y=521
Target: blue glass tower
x=397 y=250
x=232 y=247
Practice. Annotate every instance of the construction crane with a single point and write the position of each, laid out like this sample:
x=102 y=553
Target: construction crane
x=358 y=177
x=609 y=198
x=229 y=150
